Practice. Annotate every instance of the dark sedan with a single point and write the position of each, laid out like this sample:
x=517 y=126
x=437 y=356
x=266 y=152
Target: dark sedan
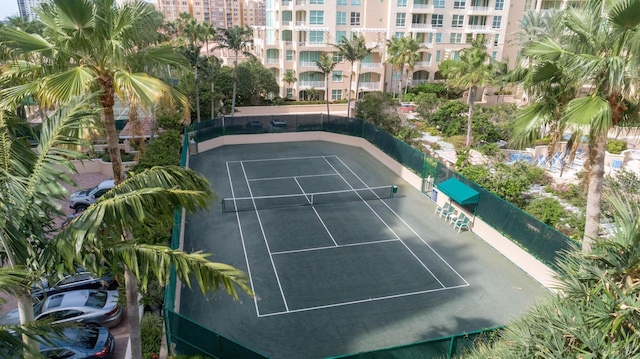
x=77 y=281
x=82 y=342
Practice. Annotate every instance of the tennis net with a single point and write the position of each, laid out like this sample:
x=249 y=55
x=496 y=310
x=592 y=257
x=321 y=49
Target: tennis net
x=239 y=204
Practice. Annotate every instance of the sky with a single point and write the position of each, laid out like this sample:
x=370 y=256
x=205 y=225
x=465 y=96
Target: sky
x=8 y=8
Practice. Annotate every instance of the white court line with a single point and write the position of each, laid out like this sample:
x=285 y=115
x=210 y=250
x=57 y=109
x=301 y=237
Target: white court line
x=301 y=190
x=244 y=248
x=361 y=301
x=405 y=223
x=325 y=226
x=334 y=247
x=283 y=159
x=264 y=236
x=385 y=223
x=277 y=178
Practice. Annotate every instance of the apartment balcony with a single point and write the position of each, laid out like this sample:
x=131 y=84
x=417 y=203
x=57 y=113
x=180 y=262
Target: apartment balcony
x=311 y=44
x=370 y=85
x=479 y=29
x=475 y=10
x=417 y=82
x=308 y=64
x=286 y=43
x=422 y=64
x=371 y=65
x=421 y=8
x=301 y=2
x=286 y=3
x=286 y=23
x=272 y=61
x=301 y=23
x=258 y=42
x=419 y=27
x=310 y=84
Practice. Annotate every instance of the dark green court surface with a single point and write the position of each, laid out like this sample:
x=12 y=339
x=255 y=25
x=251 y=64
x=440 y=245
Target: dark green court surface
x=339 y=263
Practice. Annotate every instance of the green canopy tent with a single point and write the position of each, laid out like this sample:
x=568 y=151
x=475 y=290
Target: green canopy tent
x=460 y=193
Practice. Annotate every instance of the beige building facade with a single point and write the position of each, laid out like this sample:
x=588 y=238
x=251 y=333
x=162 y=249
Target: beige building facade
x=220 y=13
x=297 y=32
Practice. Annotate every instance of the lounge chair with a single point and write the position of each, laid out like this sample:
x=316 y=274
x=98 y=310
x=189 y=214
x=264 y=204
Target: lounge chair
x=455 y=218
x=448 y=212
x=461 y=224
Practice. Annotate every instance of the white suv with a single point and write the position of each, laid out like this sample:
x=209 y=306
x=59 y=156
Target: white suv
x=80 y=200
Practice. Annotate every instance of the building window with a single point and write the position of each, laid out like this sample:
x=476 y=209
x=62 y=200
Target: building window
x=455 y=38
x=289 y=55
x=316 y=2
x=336 y=76
x=496 y=39
x=437 y=20
x=342 y=2
x=494 y=55
x=457 y=21
x=356 y=2
x=341 y=18
x=456 y=56
x=398 y=34
x=336 y=95
x=340 y=35
x=438 y=37
x=316 y=37
x=402 y=3
x=438 y=56
x=499 y=4
x=429 y=58
x=289 y=92
x=316 y=17
x=401 y=19
x=438 y=4
x=459 y=4
x=337 y=58
x=497 y=22
x=355 y=18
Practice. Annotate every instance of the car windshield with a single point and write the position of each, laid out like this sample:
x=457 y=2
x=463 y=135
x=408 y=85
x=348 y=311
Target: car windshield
x=97 y=299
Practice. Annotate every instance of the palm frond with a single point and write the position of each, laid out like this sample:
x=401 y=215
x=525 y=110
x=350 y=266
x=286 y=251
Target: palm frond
x=546 y=50
x=593 y=111
x=145 y=89
x=64 y=86
x=24 y=41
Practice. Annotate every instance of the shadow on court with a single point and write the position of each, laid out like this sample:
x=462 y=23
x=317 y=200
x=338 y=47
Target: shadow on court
x=355 y=272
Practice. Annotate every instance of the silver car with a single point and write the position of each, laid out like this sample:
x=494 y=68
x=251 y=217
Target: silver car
x=86 y=306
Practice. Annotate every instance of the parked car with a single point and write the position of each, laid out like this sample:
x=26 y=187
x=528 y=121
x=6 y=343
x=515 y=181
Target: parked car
x=254 y=127
x=82 y=199
x=81 y=342
x=86 y=306
x=277 y=125
x=79 y=280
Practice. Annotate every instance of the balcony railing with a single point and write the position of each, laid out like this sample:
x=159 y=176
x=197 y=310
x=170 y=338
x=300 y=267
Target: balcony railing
x=421 y=26
x=417 y=82
x=308 y=64
x=370 y=65
x=315 y=84
x=286 y=2
x=478 y=9
x=421 y=7
x=301 y=23
x=273 y=61
x=478 y=28
x=287 y=42
x=286 y=22
x=301 y=2
x=423 y=64
x=370 y=85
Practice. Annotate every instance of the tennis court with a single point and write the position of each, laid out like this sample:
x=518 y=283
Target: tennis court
x=343 y=255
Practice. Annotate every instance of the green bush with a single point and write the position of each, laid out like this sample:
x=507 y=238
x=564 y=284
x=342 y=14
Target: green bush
x=616 y=146
x=489 y=149
x=151 y=331
x=548 y=210
x=126 y=157
x=543 y=141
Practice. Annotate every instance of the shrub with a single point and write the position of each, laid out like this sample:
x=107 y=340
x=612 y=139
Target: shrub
x=126 y=157
x=543 y=141
x=616 y=146
x=548 y=210
x=489 y=149
x=151 y=331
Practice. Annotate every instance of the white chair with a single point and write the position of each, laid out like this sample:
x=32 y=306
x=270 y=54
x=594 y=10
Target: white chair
x=453 y=218
x=443 y=208
x=461 y=224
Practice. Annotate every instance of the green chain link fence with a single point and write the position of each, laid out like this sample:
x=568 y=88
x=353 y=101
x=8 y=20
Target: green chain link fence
x=541 y=240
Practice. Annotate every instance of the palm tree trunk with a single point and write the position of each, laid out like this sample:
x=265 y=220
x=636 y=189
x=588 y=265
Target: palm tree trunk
x=349 y=93
x=406 y=83
x=25 y=310
x=133 y=317
x=197 y=88
x=594 y=192
x=235 y=84
x=357 y=85
x=107 y=101
x=326 y=93
x=213 y=106
x=470 y=101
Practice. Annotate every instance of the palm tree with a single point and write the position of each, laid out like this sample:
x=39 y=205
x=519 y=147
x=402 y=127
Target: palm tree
x=239 y=40
x=326 y=64
x=404 y=52
x=353 y=50
x=289 y=77
x=598 y=49
x=594 y=314
x=471 y=71
x=32 y=181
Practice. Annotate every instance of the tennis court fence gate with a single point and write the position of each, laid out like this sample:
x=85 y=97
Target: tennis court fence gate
x=538 y=238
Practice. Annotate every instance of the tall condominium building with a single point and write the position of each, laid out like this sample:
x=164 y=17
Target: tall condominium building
x=25 y=8
x=297 y=32
x=220 y=13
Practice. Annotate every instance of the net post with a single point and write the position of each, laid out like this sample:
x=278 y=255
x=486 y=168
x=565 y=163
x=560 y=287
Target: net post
x=223 y=207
